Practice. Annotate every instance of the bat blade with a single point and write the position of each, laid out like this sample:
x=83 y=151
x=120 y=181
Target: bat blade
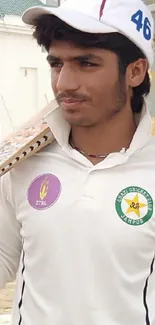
x=25 y=142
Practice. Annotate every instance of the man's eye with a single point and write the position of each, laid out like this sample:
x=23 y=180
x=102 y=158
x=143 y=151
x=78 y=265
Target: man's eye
x=56 y=64
x=87 y=64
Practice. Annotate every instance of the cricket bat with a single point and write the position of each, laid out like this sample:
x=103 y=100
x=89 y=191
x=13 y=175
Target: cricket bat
x=33 y=136
x=26 y=141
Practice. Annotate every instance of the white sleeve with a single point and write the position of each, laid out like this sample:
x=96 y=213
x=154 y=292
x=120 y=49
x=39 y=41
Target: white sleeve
x=10 y=239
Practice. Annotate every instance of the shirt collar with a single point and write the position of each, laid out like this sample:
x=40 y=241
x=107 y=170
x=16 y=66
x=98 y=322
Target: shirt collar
x=61 y=129
x=143 y=132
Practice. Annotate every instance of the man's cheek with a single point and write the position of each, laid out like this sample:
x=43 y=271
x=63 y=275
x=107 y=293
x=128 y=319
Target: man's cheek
x=54 y=81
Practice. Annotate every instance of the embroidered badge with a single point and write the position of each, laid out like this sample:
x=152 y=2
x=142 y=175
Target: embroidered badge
x=134 y=206
x=44 y=191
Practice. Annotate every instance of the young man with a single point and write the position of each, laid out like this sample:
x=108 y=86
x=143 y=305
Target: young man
x=77 y=219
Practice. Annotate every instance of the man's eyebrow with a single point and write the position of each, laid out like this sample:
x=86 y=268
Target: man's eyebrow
x=52 y=58
x=85 y=57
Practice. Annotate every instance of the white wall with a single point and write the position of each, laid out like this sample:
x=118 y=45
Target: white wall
x=24 y=75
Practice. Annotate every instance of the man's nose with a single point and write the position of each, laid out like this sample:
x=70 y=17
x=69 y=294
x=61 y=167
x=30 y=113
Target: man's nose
x=67 y=80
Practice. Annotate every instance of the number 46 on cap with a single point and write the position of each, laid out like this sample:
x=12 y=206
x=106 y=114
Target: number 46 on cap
x=143 y=24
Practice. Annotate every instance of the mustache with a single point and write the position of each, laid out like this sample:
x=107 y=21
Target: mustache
x=75 y=97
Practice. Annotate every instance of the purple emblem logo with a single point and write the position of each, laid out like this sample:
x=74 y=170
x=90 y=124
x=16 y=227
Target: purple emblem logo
x=44 y=191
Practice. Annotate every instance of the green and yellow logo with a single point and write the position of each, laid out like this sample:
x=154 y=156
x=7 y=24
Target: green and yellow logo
x=134 y=206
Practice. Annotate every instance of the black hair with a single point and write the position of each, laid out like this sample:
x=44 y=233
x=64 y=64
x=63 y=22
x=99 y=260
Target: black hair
x=49 y=28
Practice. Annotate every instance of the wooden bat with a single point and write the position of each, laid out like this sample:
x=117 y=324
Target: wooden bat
x=26 y=141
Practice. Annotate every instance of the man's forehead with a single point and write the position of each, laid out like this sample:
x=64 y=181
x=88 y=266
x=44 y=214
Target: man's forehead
x=69 y=50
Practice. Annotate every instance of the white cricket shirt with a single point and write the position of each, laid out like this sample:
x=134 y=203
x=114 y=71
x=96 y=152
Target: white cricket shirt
x=82 y=237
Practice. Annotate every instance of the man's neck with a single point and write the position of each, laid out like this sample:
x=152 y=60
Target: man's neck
x=111 y=136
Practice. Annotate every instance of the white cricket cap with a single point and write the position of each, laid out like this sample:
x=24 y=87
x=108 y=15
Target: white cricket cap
x=131 y=18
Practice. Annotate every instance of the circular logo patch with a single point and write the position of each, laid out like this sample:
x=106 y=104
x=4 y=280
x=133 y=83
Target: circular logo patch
x=44 y=191
x=134 y=206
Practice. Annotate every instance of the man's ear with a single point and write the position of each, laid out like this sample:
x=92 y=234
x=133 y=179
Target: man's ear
x=136 y=72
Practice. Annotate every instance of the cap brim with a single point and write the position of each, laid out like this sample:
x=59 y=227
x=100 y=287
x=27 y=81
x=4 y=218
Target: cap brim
x=74 y=19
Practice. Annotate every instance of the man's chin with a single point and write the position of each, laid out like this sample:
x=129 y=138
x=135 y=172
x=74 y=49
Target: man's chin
x=71 y=117
x=76 y=121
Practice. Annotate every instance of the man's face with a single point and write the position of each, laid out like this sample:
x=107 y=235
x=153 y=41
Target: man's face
x=86 y=83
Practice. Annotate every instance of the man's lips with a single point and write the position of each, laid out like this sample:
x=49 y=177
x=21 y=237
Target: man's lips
x=70 y=100
x=71 y=104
